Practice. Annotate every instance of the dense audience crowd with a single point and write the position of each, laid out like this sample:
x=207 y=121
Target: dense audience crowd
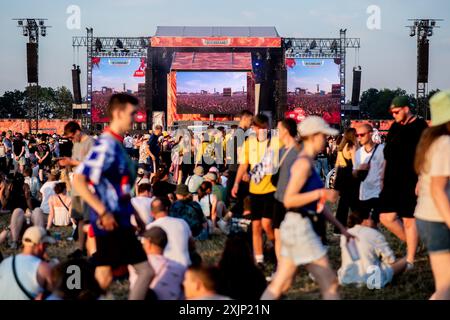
x=210 y=104
x=138 y=205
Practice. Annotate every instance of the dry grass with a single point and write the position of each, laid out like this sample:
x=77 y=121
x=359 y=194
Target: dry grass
x=416 y=284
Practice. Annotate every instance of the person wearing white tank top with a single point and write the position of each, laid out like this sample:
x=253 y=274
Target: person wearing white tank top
x=26 y=276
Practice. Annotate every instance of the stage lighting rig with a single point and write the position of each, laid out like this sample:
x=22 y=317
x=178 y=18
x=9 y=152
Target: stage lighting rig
x=423 y=29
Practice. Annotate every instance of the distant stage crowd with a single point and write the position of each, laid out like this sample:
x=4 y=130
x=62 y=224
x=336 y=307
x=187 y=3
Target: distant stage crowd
x=140 y=206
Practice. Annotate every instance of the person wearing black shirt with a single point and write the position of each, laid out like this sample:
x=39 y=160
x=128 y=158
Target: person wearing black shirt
x=19 y=152
x=43 y=156
x=234 y=147
x=398 y=197
x=155 y=147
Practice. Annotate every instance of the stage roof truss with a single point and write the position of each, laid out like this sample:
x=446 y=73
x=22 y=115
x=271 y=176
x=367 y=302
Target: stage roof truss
x=130 y=46
x=320 y=48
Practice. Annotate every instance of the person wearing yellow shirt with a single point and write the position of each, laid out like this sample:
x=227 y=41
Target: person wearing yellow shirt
x=261 y=194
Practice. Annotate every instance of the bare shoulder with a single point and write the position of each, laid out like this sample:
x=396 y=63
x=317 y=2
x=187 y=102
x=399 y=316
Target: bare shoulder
x=301 y=164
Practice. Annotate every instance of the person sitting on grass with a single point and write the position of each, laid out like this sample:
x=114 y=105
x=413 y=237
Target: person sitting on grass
x=201 y=282
x=89 y=289
x=178 y=232
x=240 y=277
x=167 y=283
x=15 y=197
x=27 y=268
x=374 y=252
x=60 y=205
x=190 y=211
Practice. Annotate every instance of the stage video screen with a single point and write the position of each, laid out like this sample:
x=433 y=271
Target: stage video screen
x=313 y=89
x=211 y=92
x=113 y=75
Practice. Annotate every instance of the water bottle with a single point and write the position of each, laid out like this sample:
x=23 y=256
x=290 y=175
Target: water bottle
x=353 y=250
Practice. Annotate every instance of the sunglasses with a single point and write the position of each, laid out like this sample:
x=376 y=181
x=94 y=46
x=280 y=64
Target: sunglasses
x=360 y=135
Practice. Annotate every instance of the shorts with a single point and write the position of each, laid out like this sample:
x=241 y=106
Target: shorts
x=262 y=205
x=370 y=207
x=279 y=212
x=435 y=235
x=21 y=162
x=299 y=242
x=117 y=248
x=401 y=200
x=43 y=165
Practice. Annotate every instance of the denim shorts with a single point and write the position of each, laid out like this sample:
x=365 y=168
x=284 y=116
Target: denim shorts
x=435 y=235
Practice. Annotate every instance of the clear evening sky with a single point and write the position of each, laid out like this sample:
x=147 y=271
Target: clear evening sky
x=387 y=56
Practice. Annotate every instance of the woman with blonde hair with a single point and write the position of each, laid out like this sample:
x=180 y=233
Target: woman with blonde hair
x=346 y=184
x=432 y=164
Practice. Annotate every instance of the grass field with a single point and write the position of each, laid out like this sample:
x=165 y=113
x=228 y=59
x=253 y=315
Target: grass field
x=416 y=284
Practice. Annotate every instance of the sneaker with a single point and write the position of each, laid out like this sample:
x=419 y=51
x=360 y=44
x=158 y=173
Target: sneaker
x=269 y=278
x=223 y=226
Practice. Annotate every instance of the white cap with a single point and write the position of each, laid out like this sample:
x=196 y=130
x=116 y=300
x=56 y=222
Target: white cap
x=36 y=235
x=314 y=124
x=146 y=136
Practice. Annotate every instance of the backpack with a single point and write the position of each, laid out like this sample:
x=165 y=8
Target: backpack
x=192 y=213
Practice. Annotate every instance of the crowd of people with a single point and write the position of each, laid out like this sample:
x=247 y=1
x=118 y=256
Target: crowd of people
x=210 y=103
x=139 y=205
x=326 y=106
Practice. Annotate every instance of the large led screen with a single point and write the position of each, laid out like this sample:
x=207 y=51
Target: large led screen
x=313 y=89
x=202 y=92
x=113 y=75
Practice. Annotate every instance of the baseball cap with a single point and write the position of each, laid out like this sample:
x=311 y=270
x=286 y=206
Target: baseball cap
x=157 y=236
x=144 y=180
x=36 y=235
x=440 y=108
x=400 y=101
x=199 y=171
x=210 y=176
x=314 y=124
x=182 y=190
x=146 y=136
x=214 y=170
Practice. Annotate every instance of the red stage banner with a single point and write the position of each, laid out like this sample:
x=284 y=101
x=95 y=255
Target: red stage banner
x=250 y=42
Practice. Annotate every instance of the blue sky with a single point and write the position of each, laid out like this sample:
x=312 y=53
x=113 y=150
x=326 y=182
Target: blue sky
x=114 y=76
x=307 y=77
x=195 y=81
x=387 y=56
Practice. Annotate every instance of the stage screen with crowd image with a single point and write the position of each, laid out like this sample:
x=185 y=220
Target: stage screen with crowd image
x=113 y=75
x=204 y=92
x=313 y=89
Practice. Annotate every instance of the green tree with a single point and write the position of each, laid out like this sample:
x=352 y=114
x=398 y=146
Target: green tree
x=375 y=103
x=12 y=105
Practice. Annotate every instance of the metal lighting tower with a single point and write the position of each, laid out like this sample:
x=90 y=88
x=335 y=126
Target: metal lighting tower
x=423 y=29
x=33 y=28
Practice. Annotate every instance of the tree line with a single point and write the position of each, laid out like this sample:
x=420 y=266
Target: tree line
x=52 y=103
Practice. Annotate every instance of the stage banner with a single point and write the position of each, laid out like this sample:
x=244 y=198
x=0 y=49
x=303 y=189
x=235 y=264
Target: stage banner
x=158 y=118
x=249 y=42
